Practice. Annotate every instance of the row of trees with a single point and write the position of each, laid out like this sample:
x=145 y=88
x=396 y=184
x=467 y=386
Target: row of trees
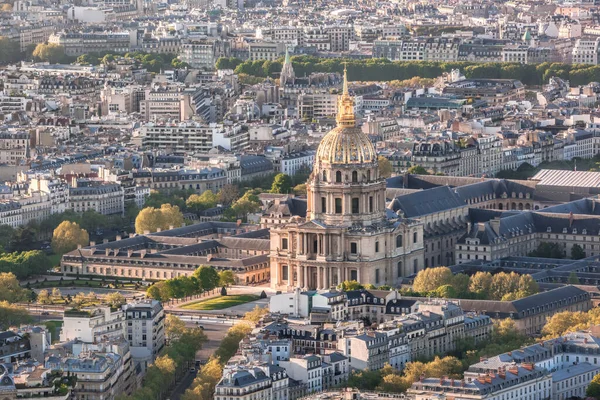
x=203 y=387
x=441 y=282
x=204 y=279
x=570 y=321
x=556 y=250
x=505 y=337
x=10 y=293
x=24 y=264
x=151 y=62
x=378 y=69
x=183 y=343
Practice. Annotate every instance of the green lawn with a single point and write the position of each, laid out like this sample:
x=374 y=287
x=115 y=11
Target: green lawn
x=221 y=302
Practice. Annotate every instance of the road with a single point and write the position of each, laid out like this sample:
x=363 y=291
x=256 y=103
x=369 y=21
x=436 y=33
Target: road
x=215 y=332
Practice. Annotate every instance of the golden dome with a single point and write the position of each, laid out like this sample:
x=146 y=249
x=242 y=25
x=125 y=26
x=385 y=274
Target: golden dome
x=346 y=144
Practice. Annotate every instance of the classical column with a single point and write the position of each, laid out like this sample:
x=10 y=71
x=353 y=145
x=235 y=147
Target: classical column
x=339 y=275
x=277 y=268
x=299 y=282
x=290 y=275
x=305 y=283
x=319 y=283
x=329 y=276
x=299 y=243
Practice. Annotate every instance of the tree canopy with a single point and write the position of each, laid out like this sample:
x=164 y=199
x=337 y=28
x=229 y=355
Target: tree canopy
x=67 y=236
x=385 y=167
x=152 y=219
x=282 y=184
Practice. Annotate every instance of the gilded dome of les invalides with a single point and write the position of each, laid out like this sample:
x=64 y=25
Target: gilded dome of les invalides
x=346 y=143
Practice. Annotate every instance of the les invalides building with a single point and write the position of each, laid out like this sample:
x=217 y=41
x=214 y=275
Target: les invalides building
x=347 y=232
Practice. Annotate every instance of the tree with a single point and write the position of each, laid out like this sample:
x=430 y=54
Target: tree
x=115 y=299
x=174 y=328
x=527 y=286
x=593 y=389
x=577 y=252
x=347 y=286
x=10 y=290
x=228 y=194
x=481 y=284
x=203 y=387
x=446 y=292
x=67 y=236
x=22 y=239
x=198 y=203
x=300 y=189
x=256 y=314
x=566 y=321
x=430 y=279
x=208 y=277
x=385 y=167
x=12 y=315
x=152 y=219
x=281 y=184
x=460 y=283
x=43 y=297
x=56 y=294
x=230 y=343
x=51 y=53
x=503 y=283
x=10 y=51
x=548 y=250
x=226 y=278
x=223 y=291
x=6 y=235
x=6 y=7
x=573 y=278
x=418 y=170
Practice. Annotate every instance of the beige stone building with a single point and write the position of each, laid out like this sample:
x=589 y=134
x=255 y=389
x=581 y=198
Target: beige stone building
x=347 y=234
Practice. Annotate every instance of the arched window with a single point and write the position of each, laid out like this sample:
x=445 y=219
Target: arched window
x=399 y=274
x=338 y=176
x=324 y=176
x=354 y=176
x=399 y=241
x=368 y=175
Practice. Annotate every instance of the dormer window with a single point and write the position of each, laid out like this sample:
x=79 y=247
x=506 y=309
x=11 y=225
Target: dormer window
x=564 y=230
x=574 y=231
x=548 y=229
x=584 y=232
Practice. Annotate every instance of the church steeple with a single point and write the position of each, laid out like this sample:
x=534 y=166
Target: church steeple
x=287 y=76
x=345 y=116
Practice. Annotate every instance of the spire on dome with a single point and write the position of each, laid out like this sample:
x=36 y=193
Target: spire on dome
x=345 y=79
x=345 y=116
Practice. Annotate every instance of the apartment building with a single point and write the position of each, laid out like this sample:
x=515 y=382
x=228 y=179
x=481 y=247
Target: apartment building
x=79 y=43
x=203 y=53
x=268 y=51
x=366 y=351
x=14 y=147
x=105 y=198
x=509 y=383
x=291 y=163
x=104 y=369
x=145 y=330
x=307 y=369
x=93 y=325
x=195 y=137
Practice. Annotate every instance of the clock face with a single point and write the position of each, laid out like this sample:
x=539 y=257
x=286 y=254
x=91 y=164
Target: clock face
x=6 y=381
